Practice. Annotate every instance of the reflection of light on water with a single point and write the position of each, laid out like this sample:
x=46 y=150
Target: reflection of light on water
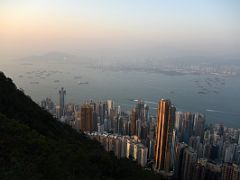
x=151 y=102
x=148 y=102
x=223 y=112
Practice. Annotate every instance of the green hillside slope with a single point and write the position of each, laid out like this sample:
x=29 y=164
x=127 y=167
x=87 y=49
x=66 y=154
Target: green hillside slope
x=33 y=145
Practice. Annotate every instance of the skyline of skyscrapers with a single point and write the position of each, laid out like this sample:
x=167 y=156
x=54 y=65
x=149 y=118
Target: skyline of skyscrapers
x=177 y=145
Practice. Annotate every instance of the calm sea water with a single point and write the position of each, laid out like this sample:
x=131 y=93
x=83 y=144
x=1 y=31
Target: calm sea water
x=217 y=97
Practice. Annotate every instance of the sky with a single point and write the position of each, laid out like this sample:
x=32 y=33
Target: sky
x=120 y=27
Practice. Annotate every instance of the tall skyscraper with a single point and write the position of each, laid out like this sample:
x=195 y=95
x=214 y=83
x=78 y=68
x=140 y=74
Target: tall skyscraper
x=140 y=109
x=133 y=119
x=109 y=106
x=62 y=94
x=180 y=147
x=187 y=126
x=205 y=170
x=86 y=118
x=199 y=125
x=236 y=172
x=163 y=147
x=230 y=172
x=189 y=160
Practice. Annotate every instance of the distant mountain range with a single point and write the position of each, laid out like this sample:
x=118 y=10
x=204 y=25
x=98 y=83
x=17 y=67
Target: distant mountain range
x=68 y=57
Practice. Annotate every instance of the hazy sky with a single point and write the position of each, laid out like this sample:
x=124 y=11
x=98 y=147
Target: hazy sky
x=149 y=27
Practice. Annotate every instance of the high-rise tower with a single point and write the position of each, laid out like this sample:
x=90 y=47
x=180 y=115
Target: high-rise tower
x=133 y=119
x=86 y=118
x=62 y=94
x=164 y=134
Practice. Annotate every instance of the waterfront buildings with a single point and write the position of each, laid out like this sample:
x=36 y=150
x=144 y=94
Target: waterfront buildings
x=62 y=94
x=178 y=145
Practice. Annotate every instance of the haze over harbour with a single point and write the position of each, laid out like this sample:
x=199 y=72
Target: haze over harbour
x=42 y=76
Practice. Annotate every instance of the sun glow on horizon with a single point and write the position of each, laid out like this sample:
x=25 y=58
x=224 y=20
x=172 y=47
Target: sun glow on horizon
x=44 y=25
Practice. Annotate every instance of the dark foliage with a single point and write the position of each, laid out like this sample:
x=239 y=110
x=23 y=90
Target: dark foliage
x=33 y=145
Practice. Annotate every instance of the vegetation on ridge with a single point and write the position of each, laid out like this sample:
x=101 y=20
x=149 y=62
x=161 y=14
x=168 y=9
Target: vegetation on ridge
x=34 y=145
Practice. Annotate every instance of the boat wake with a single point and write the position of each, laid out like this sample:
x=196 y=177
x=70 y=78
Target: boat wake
x=223 y=112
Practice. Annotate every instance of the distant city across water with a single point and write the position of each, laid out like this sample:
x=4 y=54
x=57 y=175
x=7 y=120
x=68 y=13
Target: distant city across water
x=216 y=96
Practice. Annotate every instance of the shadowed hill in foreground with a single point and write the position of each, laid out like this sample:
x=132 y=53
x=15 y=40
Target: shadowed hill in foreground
x=33 y=145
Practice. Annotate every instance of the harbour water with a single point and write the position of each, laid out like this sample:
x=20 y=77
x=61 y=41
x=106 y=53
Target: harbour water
x=216 y=96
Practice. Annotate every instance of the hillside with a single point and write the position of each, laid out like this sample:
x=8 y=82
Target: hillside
x=33 y=145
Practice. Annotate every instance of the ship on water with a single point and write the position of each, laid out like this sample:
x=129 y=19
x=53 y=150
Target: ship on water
x=82 y=83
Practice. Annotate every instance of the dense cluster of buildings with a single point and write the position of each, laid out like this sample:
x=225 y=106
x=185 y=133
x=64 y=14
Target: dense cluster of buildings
x=123 y=146
x=178 y=145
